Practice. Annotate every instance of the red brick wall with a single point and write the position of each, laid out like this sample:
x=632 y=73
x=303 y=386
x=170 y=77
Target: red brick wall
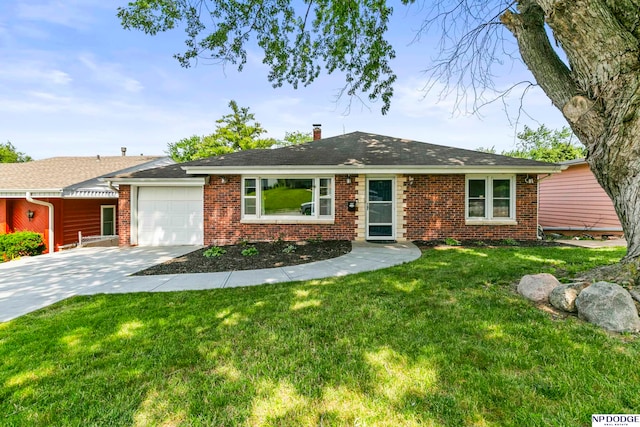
x=435 y=210
x=124 y=215
x=222 y=212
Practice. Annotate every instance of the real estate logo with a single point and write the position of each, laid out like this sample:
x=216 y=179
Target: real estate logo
x=615 y=420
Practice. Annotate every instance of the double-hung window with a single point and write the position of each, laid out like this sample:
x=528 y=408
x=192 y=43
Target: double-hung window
x=490 y=198
x=280 y=197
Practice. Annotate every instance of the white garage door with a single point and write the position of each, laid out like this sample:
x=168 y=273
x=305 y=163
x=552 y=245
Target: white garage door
x=170 y=216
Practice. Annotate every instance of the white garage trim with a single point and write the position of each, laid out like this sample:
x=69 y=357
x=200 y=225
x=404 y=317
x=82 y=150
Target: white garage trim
x=167 y=215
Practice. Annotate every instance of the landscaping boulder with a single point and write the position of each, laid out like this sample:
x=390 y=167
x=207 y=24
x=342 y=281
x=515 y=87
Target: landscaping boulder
x=537 y=287
x=563 y=297
x=610 y=306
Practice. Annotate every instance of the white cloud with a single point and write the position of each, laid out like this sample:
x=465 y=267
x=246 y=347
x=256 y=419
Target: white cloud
x=69 y=13
x=32 y=72
x=110 y=74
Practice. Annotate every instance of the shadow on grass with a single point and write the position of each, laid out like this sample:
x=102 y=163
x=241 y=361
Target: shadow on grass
x=440 y=341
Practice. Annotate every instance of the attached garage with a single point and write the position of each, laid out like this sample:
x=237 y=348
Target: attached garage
x=169 y=215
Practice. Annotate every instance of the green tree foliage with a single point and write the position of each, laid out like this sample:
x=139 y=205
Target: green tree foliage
x=297 y=38
x=235 y=131
x=9 y=154
x=295 y=138
x=546 y=145
x=543 y=144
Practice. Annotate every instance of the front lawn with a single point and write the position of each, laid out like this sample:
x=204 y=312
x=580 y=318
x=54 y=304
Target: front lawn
x=441 y=341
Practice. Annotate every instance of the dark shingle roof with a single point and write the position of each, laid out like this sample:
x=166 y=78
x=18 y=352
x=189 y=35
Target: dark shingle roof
x=165 y=172
x=359 y=148
x=352 y=149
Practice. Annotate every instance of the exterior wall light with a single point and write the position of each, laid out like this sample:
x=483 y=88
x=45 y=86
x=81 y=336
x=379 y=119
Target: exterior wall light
x=30 y=214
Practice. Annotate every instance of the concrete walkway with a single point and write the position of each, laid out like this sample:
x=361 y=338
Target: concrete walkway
x=32 y=283
x=594 y=243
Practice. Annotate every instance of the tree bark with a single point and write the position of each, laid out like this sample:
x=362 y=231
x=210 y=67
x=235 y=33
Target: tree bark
x=598 y=91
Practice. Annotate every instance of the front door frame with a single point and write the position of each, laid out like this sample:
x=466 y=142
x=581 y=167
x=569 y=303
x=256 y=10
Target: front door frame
x=392 y=236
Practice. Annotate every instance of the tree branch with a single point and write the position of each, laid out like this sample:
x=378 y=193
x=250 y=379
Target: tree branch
x=553 y=76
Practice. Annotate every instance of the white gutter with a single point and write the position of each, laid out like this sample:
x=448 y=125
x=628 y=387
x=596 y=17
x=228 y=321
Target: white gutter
x=354 y=170
x=51 y=245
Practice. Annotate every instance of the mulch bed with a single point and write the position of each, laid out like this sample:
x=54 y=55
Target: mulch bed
x=270 y=255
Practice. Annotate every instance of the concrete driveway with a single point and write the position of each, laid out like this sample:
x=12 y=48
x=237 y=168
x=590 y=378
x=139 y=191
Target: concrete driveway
x=32 y=283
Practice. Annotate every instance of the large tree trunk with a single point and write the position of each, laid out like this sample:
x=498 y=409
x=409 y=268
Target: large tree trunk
x=598 y=92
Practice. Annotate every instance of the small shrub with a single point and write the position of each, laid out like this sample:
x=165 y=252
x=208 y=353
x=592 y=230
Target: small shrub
x=509 y=242
x=22 y=243
x=214 y=252
x=479 y=243
x=289 y=249
x=451 y=241
x=317 y=239
x=250 y=251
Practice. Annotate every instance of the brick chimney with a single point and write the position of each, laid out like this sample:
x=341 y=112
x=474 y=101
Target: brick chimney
x=317 y=132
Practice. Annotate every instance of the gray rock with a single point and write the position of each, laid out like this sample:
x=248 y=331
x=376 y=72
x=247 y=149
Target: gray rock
x=610 y=306
x=635 y=295
x=563 y=297
x=537 y=287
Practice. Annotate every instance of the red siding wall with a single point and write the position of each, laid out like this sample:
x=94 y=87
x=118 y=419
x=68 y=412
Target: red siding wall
x=70 y=216
x=222 y=210
x=81 y=215
x=4 y=224
x=574 y=200
x=16 y=217
x=435 y=210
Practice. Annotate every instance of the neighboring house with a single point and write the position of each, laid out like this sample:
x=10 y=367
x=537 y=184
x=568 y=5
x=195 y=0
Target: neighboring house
x=357 y=186
x=573 y=201
x=62 y=196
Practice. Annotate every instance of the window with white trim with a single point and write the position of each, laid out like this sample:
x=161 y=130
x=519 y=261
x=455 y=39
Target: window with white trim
x=490 y=197
x=276 y=197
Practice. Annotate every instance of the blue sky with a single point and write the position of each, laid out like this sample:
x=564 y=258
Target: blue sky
x=74 y=83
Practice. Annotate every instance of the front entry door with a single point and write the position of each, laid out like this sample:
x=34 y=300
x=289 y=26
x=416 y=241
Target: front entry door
x=380 y=209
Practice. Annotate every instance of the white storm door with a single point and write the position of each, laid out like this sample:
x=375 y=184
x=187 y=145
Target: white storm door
x=380 y=209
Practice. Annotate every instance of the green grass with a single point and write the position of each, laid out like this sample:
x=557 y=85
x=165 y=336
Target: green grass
x=441 y=341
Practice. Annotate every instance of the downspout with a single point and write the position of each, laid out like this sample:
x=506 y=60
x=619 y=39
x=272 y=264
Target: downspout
x=112 y=188
x=51 y=245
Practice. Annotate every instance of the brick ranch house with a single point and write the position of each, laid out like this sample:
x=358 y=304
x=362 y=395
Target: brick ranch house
x=357 y=186
x=62 y=196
